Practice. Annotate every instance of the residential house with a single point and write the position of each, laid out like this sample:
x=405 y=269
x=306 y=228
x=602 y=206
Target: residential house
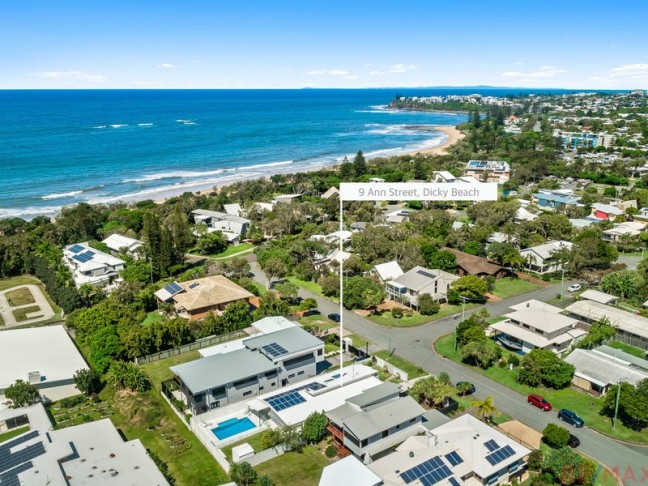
x=407 y=288
x=233 y=209
x=443 y=176
x=468 y=264
x=551 y=202
x=598 y=296
x=330 y=192
x=499 y=237
x=462 y=451
x=90 y=453
x=632 y=329
x=620 y=231
x=266 y=363
x=397 y=216
x=605 y=211
x=374 y=421
x=91 y=266
x=287 y=198
x=358 y=226
x=541 y=259
x=387 y=271
x=522 y=215
x=642 y=215
x=347 y=470
x=376 y=179
x=195 y=299
x=488 y=170
x=234 y=228
x=597 y=371
x=119 y=244
x=534 y=324
x=45 y=357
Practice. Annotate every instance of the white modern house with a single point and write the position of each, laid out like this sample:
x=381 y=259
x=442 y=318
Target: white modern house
x=119 y=244
x=488 y=170
x=234 y=228
x=407 y=287
x=534 y=324
x=91 y=266
x=541 y=259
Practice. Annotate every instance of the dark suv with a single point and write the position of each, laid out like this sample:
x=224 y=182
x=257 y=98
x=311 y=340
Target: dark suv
x=539 y=402
x=570 y=417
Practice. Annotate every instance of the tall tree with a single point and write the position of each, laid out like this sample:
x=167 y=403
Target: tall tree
x=359 y=164
x=485 y=408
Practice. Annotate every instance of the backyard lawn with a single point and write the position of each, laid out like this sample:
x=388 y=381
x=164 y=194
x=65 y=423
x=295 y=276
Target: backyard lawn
x=295 y=468
x=152 y=317
x=412 y=370
x=582 y=403
x=254 y=441
x=639 y=353
x=233 y=250
x=507 y=287
x=158 y=371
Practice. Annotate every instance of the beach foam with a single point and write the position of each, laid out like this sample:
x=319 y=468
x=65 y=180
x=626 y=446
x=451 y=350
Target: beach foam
x=61 y=195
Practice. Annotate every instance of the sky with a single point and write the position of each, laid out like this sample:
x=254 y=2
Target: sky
x=132 y=44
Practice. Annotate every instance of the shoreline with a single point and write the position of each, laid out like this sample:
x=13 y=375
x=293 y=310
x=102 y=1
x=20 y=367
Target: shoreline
x=453 y=137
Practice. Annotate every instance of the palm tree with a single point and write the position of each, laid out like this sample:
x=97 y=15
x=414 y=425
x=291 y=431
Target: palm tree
x=485 y=408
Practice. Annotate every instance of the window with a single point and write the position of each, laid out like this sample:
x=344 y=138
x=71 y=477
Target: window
x=526 y=326
x=260 y=388
x=301 y=372
x=199 y=397
x=412 y=420
x=291 y=376
x=274 y=383
x=249 y=392
x=385 y=434
x=320 y=352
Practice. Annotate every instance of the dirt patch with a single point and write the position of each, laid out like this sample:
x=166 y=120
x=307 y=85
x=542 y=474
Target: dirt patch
x=521 y=433
x=389 y=305
x=493 y=298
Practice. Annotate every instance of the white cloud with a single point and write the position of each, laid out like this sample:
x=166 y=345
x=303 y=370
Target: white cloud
x=330 y=72
x=72 y=76
x=630 y=71
x=168 y=65
x=512 y=74
x=402 y=68
x=542 y=72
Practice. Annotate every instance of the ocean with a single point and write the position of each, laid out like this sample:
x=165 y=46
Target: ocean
x=59 y=148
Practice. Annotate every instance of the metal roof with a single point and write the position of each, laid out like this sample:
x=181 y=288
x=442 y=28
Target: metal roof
x=626 y=321
x=598 y=296
x=383 y=416
x=603 y=369
x=376 y=394
x=292 y=339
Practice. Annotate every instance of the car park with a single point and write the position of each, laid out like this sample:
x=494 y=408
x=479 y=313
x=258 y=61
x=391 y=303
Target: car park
x=538 y=401
x=465 y=388
x=570 y=417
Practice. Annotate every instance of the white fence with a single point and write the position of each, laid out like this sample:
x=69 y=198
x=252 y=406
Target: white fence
x=392 y=369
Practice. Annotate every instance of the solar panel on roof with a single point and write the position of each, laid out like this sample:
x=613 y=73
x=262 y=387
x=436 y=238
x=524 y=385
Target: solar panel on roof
x=453 y=458
x=425 y=274
x=429 y=472
x=491 y=445
x=274 y=349
x=77 y=258
x=499 y=455
x=76 y=248
x=454 y=482
x=173 y=288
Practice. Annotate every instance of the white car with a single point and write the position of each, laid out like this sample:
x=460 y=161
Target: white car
x=574 y=288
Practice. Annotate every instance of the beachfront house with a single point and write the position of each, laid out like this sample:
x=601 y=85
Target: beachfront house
x=497 y=171
x=541 y=259
x=261 y=365
x=551 y=202
x=119 y=244
x=534 y=324
x=234 y=228
x=93 y=267
x=407 y=287
x=195 y=299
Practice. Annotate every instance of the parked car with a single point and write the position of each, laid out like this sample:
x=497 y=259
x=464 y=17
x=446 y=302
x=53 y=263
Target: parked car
x=538 y=401
x=465 y=388
x=574 y=288
x=571 y=417
x=573 y=441
x=334 y=317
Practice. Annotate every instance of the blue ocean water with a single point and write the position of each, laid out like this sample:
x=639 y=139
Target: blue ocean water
x=62 y=147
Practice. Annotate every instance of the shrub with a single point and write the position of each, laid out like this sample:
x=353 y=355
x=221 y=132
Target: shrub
x=514 y=359
x=555 y=436
x=271 y=438
x=314 y=428
x=397 y=313
x=427 y=305
x=72 y=401
x=535 y=459
x=331 y=452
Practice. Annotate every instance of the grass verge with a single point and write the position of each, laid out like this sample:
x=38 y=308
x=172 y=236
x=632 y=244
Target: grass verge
x=412 y=370
x=583 y=404
x=312 y=287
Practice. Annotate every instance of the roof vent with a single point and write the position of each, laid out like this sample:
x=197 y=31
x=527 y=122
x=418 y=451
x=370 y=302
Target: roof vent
x=528 y=304
x=411 y=454
x=113 y=472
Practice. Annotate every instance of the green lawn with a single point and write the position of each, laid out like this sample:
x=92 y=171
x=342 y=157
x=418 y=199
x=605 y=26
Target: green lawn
x=13 y=433
x=639 y=353
x=152 y=317
x=295 y=468
x=21 y=314
x=7 y=283
x=312 y=287
x=318 y=320
x=187 y=459
x=386 y=319
x=493 y=320
x=158 y=371
x=359 y=342
x=412 y=370
x=18 y=297
x=507 y=287
x=583 y=404
x=232 y=250
x=253 y=440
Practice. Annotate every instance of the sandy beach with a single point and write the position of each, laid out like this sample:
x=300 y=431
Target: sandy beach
x=453 y=135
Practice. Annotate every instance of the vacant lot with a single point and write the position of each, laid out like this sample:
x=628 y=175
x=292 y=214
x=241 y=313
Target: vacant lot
x=506 y=287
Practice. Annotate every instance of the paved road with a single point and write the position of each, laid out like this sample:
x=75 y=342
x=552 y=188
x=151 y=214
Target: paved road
x=415 y=344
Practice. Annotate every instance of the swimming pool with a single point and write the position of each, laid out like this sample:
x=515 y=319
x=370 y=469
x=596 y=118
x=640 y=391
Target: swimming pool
x=231 y=427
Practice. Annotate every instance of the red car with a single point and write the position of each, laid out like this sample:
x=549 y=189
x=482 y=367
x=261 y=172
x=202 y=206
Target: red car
x=539 y=402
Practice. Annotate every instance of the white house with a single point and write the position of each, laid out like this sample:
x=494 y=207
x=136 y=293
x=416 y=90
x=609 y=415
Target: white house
x=234 y=228
x=407 y=287
x=541 y=259
x=625 y=229
x=387 y=271
x=119 y=244
x=488 y=170
x=91 y=266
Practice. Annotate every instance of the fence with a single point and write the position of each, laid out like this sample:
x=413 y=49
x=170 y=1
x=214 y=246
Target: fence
x=198 y=344
x=265 y=455
x=392 y=369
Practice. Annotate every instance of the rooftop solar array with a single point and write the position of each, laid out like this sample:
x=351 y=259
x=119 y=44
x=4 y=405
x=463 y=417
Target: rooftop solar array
x=499 y=455
x=453 y=458
x=84 y=257
x=275 y=350
x=491 y=445
x=454 y=482
x=10 y=461
x=425 y=274
x=429 y=472
x=76 y=248
x=288 y=399
x=10 y=478
x=173 y=288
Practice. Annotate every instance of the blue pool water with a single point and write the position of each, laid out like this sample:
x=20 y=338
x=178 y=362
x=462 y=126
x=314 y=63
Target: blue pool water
x=231 y=427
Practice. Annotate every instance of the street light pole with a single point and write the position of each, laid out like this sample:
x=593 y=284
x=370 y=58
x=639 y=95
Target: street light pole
x=562 y=283
x=616 y=405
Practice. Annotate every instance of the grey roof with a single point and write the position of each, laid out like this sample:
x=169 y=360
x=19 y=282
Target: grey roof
x=417 y=281
x=603 y=369
x=220 y=369
x=220 y=216
x=545 y=251
x=548 y=322
x=630 y=358
x=382 y=416
x=433 y=419
x=293 y=340
x=339 y=414
x=626 y=321
x=598 y=296
x=377 y=394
